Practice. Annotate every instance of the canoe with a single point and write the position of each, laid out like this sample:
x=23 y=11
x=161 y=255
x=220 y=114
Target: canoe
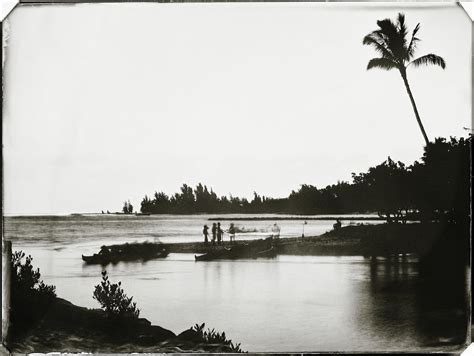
x=228 y=253
x=236 y=252
x=214 y=255
x=96 y=259
x=114 y=257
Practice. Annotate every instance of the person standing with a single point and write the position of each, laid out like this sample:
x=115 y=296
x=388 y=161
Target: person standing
x=232 y=233
x=275 y=231
x=214 y=233
x=205 y=232
x=220 y=234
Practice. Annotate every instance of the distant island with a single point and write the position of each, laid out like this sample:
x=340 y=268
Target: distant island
x=434 y=188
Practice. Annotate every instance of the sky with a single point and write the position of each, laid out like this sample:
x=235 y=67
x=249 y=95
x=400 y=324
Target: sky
x=108 y=102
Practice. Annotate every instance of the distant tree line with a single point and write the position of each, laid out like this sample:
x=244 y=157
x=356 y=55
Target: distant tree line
x=436 y=187
x=127 y=208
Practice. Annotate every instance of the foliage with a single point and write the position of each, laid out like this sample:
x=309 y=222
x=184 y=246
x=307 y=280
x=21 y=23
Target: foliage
x=26 y=280
x=442 y=180
x=393 y=204
x=30 y=296
x=113 y=300
x=127 y=208
x=390 y=40
x=214 y=337
x=437 y=187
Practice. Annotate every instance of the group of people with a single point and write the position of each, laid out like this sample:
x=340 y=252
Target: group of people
x=218 y=234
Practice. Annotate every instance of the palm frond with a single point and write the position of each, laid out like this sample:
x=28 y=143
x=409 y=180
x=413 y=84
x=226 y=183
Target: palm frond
x=412 y=46
x=388 y=29
x=378 y=36
x=378 y=45
x=382 y=63
x=429 y=59
x=402 y=28
x=394 y=36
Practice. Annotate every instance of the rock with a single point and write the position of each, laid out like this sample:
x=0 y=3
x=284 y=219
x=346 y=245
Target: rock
x=143 y=321
x=145 y=340
x=190 y=335
x=160 y=334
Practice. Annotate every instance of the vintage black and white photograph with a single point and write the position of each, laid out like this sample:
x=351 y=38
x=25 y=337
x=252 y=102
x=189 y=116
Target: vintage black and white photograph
x=236 y=177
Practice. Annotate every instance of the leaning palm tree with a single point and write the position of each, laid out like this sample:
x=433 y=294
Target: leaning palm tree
x=391 y=41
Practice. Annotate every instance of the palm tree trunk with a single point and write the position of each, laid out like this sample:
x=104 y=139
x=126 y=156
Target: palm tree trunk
x=417 y=115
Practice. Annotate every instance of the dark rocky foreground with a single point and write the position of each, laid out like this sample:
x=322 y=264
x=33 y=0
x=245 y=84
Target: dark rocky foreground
x=66 y=327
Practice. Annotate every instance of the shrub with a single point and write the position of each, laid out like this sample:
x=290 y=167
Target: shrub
x=113 y=300
x=26 y=280
x=30 y=296
x=214 y=337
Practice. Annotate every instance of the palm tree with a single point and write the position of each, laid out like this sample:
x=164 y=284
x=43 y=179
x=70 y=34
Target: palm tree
x=391 y=41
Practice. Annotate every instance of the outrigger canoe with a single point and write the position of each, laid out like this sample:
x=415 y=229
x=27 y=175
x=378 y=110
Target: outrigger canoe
x=224 y=253
x=214 y=255
x=235 y=252
x=126 y=252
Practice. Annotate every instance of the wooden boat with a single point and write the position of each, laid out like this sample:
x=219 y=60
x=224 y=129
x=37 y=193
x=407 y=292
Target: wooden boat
x=236 y=252
x=126 y=252
x=96 y=259
x=217 y=254
x=162 y=254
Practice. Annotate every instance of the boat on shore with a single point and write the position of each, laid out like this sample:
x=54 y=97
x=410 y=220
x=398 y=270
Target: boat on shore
x=265 y=250
x=213 y=255
x=127 y=252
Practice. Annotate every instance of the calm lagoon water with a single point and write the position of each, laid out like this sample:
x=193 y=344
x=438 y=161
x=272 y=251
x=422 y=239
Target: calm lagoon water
x=290 y=303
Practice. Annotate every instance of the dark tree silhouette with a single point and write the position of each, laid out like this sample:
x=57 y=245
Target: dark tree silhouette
x=127 y=207
x=390 y=40
x=436 y=188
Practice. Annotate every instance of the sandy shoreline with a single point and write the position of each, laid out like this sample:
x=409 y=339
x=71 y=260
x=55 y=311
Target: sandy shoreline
x=379 y=240
x=298 y=218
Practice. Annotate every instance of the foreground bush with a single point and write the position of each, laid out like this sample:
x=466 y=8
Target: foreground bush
x=26 y=280
x=113 y=300
x=214 y=337
x=30 y=296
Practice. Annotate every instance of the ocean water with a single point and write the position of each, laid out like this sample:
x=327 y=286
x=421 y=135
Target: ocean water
x=89 y=232
x=290 y=303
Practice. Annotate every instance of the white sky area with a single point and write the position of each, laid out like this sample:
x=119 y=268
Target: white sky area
x=108 y=102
